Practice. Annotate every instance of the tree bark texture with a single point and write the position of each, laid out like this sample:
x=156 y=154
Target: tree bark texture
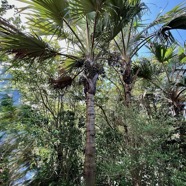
x=90 y=165
x=128 y=89
x=127 y=78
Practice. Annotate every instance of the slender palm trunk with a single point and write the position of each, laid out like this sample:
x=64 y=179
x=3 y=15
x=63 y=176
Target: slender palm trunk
x=127 y=94
x=127 y=78
x=90 y=165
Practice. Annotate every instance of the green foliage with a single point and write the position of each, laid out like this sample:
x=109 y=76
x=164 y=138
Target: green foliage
x=62 y=159
x=41 y=144
x=25 y=46
x=53 y=10
x=142 y=144
x=144 y=69
x=134 y=149
x=162 y=52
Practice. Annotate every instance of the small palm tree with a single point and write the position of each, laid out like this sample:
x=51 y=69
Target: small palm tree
x=130 y=39
x=173 y=83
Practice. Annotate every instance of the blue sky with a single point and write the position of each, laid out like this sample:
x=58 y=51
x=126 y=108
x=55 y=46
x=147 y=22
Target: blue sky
x=157 y=6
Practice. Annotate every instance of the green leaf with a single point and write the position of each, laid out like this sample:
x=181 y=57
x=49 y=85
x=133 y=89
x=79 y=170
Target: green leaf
x=162 y=52
x=85 y=7
x=168 y=54
x=70 y=64
x=24 y=46
x=117 y=15
x=183 y=60
x=47 y=13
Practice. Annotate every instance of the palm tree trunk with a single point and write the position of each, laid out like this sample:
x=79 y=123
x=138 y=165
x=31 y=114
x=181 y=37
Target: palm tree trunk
x=127 y=78
x=127 y=94
x=90 y=165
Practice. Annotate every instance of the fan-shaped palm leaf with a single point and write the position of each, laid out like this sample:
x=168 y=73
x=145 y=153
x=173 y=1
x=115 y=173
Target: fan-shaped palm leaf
x=117 y=15
x=49 y=9
x=24 y=46
x=47 y=15
x=86 y=6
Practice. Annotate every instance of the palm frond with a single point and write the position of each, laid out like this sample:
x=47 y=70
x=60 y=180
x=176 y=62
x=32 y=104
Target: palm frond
x=175 y=12
x=44 y=28
x=119 y=13
x=174 y=19
x=176 y=95
x=24 y=46
x=143 y=69
x=84 y=7
x=177 y=23
x=47 y=14
x=70 y=64
x=162 y=52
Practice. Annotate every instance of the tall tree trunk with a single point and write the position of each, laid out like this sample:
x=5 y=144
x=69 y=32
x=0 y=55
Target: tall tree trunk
x=90 y=151
x=127 y=78
x=90 y=165
x=128 y=89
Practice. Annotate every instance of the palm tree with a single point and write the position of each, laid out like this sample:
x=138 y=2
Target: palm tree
x=130 y=39
x=167 y=75
x=85 y=28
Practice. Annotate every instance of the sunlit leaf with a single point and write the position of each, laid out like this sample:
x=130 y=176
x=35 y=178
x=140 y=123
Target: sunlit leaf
x=24 y=46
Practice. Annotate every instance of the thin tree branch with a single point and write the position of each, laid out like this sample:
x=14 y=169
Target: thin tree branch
x=115 y=86
x=142 y=43
x=75 y=35
x=88 y=35
x=118 y=46
x=105 y=116
x=129 y=35
x=44 y=103
x=93 y=35
x=123 y=43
